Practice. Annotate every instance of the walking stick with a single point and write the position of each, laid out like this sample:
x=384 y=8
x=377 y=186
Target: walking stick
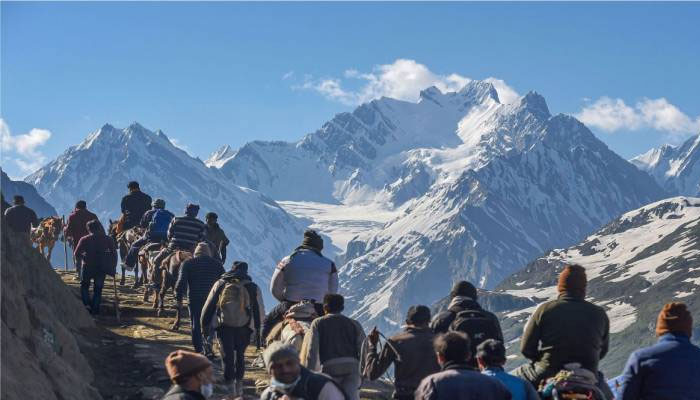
x=65 y=244
x=116 y=298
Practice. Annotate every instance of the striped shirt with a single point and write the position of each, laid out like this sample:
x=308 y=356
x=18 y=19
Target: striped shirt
x=185 y=232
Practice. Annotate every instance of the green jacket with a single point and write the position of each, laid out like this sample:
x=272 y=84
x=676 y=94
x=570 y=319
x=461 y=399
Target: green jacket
x=565 y=330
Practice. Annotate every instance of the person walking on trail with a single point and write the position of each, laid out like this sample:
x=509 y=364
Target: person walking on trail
x=89 y=251
x=668 y=369
x=235 y=305
x=134 y=205
x=192 y=376
x=491 y=357
x=156 y=222
x=457 y=380
x=183 y=233
x=411 y=352
x=290 y=380
x=464 y=314
x=334 y=345
x=216 y=235
x=304 y=275
x=76 y=227
x=196 y=278
x=566 y=330
x=21 y=218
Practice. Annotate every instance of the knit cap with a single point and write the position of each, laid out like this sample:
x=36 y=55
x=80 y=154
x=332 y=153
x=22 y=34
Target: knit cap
x=573 y=281
x=674 y=318
x=185 y=363
x=312 y=239
x=278 y=351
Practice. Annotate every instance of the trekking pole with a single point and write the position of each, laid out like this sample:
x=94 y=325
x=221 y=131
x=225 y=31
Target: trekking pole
x=65 y=244
x=116 y=298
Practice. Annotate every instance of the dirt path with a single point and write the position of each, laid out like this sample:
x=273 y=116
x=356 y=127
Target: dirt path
x=127 y=357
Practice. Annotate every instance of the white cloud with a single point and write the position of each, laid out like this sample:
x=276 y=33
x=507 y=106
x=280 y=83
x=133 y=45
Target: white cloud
x=24 y=149
x=612 y=115
x=288 y=75
x=403 y=79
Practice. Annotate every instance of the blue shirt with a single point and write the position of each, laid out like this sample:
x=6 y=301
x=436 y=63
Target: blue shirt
x=519 y=388
x=670 y=369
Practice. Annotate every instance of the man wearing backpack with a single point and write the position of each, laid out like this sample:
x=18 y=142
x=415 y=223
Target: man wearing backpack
x=235 y=305
x=334 y=344
x=566 y=330
x=156 y=222
x=196 y=278
x=216 y=235
x=91 y=251
x=304 y=275
x=464 y=314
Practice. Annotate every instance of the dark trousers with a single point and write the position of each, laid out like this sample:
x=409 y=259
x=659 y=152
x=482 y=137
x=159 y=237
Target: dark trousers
x=276 y=315
x=195 y=308
x=233 y=344
x=133 y=253
x=89 y=274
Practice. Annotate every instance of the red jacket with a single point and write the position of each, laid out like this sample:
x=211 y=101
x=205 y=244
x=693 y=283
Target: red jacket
x=76 y=227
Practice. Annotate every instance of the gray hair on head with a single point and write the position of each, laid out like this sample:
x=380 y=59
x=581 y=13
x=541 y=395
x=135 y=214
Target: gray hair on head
x=278 y=351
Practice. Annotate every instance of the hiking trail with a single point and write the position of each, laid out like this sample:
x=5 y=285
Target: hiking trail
x=128 y=356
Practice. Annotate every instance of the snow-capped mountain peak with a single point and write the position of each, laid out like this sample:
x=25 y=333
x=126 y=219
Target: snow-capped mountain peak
x=98 y=169
x=645 y=258
x=220 y=156
x=676 y=168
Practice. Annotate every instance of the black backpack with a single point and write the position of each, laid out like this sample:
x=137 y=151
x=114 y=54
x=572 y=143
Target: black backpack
x=108 y=260
x=477 y=324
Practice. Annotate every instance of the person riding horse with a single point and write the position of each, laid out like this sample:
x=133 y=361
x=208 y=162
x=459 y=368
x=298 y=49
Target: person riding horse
x=183 y=234
x=156 y=222
x=133 y=206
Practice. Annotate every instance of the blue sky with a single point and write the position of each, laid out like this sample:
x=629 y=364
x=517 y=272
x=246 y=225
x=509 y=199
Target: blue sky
x=209 y=74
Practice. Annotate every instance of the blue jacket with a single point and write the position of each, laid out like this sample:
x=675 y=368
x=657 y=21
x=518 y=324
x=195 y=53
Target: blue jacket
x=519 y=388
x=670 y=369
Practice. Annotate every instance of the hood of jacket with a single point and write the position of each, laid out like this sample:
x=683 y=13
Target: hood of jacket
x=459 y=303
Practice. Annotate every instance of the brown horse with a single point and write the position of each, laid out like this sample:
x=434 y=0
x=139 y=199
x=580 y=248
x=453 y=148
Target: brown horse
x=47 y=234
x=167 y=277
x=124 y=240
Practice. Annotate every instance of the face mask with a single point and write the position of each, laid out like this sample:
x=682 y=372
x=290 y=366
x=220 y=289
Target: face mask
x=283 y=387
x=207 y=390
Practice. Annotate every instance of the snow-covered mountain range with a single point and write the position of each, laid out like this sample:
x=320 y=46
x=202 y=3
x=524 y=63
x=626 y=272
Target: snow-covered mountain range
x=635 y=264
x=676 y=168
x=478 y=188
x=98 y=169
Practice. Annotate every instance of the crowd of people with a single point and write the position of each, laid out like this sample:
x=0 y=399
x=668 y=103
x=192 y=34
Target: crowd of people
x=459 y=353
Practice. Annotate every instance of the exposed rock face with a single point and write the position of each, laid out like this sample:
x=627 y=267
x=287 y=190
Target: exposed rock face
x=32 y=198
x=41 y=324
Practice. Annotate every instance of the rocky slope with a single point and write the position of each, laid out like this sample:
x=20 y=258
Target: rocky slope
x=635 y=264
x=32 y=198
x=676 y=168
x=43 y=328
x=98 y=169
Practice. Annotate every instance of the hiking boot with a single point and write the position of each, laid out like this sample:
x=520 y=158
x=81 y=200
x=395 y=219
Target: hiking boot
x=136 y=284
